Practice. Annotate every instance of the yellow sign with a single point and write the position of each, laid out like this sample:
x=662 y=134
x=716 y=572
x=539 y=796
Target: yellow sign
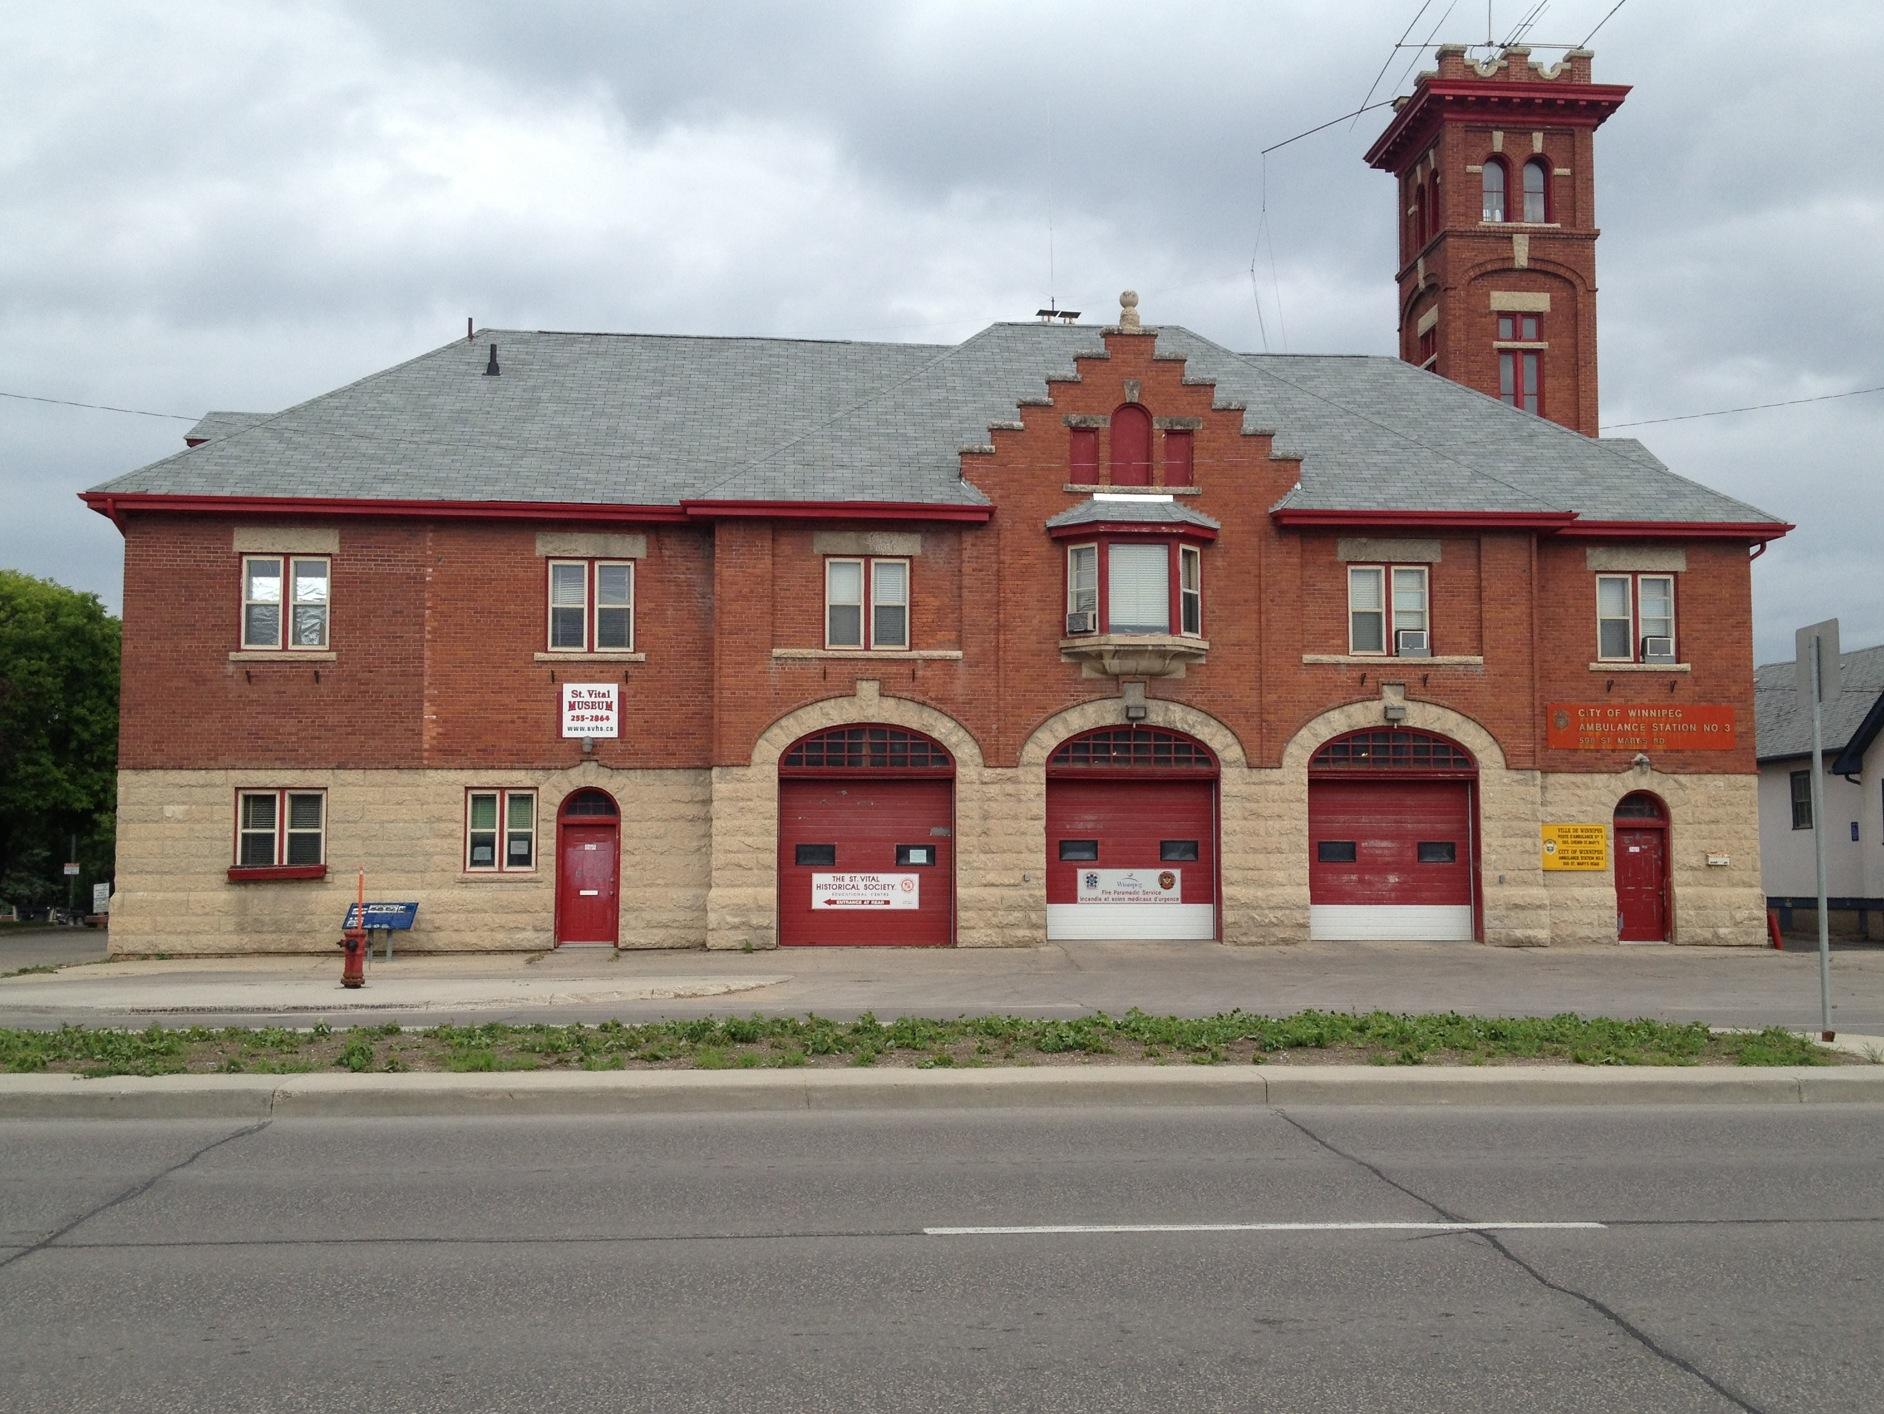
x=1576 y=846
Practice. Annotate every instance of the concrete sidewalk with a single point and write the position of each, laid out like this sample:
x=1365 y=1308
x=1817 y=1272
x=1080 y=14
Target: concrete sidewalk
x=1720 y=986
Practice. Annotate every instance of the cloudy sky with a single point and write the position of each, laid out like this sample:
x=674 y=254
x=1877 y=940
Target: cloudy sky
x=242 y=205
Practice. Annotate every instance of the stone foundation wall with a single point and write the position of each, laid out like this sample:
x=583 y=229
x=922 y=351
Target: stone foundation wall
x=406 y=829
x=700 y=853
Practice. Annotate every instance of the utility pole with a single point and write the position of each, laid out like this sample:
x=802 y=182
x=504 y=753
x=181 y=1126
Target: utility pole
x=1818 y=678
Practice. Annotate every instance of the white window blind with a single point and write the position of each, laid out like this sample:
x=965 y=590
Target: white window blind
x=1138 y=588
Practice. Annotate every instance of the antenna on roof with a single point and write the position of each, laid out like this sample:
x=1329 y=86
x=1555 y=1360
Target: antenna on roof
x=1053 y=312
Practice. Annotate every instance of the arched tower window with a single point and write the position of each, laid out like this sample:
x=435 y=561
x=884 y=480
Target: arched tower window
x=1131 y=446
x=1492 y=185
x=1536 y=190
x=1420 y=230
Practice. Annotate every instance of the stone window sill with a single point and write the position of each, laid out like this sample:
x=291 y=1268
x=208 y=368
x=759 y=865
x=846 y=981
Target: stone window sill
x=498 y=876
x=1641 y=667
x=284 y=655
x=876 y=655
x=592 y=657
x=1133 y=490
x=239 y=874
x=1362 y=660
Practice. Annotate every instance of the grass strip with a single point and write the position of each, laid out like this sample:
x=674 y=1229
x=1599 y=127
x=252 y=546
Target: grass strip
x=762 y=1042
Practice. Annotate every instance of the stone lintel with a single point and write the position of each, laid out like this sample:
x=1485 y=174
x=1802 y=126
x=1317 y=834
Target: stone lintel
x=1640 y=559
x=866 y=542
x=1520 y=302
x=286 y=539
x=590 y=545
x=1387 y=550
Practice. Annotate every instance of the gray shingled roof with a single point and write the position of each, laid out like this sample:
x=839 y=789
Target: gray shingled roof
x=1782 y=723
x=654 y=419
x=1132 y=510
x=212 y=425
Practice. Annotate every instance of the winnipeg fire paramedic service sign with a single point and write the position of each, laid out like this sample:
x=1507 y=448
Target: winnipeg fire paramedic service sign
x=591 y=709
x=1130 y=886
x=866 y=891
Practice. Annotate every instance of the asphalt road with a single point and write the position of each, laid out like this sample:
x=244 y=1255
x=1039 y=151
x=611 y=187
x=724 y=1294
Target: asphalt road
x=787 y=1262
x=42 y=947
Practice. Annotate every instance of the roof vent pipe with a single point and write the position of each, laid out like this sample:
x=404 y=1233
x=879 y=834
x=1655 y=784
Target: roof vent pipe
x=490 y=369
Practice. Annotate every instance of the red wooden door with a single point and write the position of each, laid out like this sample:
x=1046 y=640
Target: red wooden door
x=866 y=861
x=1641 y=885
x=588 y=866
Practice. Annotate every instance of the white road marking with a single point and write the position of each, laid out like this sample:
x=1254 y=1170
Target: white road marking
x=1080 y=1228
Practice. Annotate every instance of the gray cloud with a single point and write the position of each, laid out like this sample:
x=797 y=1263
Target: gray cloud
x=229 y=205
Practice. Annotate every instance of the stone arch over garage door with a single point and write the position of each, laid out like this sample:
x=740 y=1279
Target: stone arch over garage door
x=742 y=905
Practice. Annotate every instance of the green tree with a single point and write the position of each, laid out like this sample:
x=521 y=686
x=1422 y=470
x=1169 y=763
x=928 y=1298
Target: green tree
x=58 y=737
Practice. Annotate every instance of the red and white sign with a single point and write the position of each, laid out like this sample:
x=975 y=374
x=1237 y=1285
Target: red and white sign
x=591 y=709
x=1129 y=886
x=866 y=891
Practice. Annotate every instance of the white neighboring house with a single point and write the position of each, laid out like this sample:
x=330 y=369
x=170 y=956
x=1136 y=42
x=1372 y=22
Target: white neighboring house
x=1853 y=738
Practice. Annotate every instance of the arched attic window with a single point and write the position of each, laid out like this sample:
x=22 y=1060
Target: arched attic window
x=1492 y=186
x=1131 y=446
x=1536 y=190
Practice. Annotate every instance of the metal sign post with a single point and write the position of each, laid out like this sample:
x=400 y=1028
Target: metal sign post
x=1818 y=678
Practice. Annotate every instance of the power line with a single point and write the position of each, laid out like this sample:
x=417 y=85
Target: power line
x=1369 y=96
x=99 y=407
x=1600 y=23
x=1751 y=407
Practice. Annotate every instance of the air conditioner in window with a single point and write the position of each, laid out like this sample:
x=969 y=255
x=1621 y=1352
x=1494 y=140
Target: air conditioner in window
x=1412 y=643
x=1086 y=622
x=1658 y=650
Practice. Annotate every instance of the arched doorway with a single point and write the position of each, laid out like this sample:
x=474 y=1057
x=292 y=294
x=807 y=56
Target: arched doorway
x=1393 y=837
x=588 y=869
x=1131 y=836
x=866 y=825
x=1644 y=911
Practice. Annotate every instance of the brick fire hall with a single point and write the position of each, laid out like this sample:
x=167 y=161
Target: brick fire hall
x=1066 y=631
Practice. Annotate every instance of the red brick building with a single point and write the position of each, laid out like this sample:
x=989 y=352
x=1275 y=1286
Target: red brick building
x=1063 y=631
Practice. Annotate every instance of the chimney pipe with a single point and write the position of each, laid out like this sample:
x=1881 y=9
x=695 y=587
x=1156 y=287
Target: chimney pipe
x=490 y=369
x=469 y=335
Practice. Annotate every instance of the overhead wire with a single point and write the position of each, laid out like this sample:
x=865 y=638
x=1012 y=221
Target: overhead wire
x=1387 y=62
x=1600 y=23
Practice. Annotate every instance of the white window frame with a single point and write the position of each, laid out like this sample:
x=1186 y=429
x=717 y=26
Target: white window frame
x=1170 y=570
x=1389 y=609
x=868 y=603
x=1190 y=566
x=281 y=830
x=1073 y=588
x=501 y=830
x=1634 y=580
x=286 y=604
x=591 y=607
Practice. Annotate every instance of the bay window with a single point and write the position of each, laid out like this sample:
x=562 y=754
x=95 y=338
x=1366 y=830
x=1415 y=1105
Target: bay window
x=1135 y=586
x=1138 y=578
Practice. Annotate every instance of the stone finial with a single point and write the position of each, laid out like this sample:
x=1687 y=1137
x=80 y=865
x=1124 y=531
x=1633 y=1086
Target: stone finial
x=1128 y=310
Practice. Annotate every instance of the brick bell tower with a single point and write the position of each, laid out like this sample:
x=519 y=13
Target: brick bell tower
x=1497 y=193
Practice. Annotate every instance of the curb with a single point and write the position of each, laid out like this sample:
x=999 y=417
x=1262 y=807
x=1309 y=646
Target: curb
x=698 y=1092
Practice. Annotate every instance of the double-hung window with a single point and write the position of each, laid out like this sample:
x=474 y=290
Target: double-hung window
x=500 y=831
x=1800 y=784
x=278 y=829
x=285 y=601
x=591 y=606
x=1388 y=610
x=1635 y=618
x=866 y=603
x=1521 y=361
x=1135 y=586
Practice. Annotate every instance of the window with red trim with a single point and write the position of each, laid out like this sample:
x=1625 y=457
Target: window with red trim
x=1392 y=748
x=280 y=829
x=1492 y=183
x=1082 y=456
x=1140 y=747
x=285 y=601
x=1429 y=346
x=1536 y=190
x=1131 y=446
x=1180 y=445
x=867 y=748
x=866 y=603
x=1389 y=612
x=500 y=831
x=1635 y=618
x=591 y=606
x=1521 y=370
x=1131 y=584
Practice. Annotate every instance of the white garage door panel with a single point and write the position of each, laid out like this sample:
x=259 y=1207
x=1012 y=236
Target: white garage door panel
x=1348 y=922
x=1088 y=922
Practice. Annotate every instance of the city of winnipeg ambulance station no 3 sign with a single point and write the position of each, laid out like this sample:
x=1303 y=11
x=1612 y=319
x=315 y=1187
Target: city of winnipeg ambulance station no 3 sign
x=866 y=891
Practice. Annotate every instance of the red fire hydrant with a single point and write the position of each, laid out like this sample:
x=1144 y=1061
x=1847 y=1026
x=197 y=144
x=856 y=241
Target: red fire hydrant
x=353 y=970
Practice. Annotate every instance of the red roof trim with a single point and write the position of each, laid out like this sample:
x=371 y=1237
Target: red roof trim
x=1759 y=530
x=114 y=505
x=1505 y=520
x=1597 y=100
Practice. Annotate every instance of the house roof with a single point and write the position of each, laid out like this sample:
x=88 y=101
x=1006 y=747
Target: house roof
x=212 y=425
x=1782 y=722
x=1131 y=510
x=637 y=420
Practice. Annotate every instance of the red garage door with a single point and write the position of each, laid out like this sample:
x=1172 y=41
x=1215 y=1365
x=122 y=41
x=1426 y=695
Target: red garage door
x=865 y=826
x=1391 y=847
x=1131 y=836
